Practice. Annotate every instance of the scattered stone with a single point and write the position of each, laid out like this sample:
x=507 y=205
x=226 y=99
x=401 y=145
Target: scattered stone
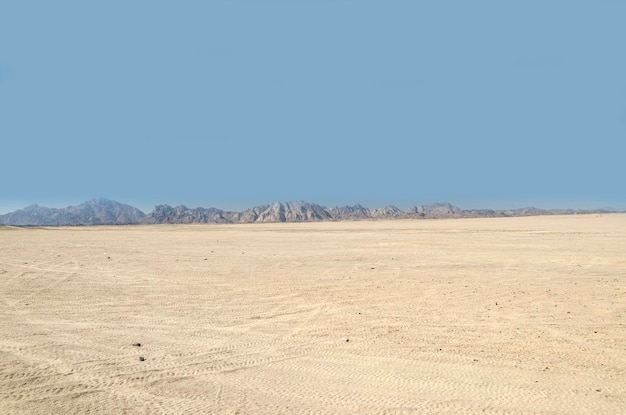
x=347 y=340
x=141 y=358
x=137 y=344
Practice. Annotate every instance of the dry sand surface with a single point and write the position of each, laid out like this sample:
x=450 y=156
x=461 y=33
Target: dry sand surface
x=515 y=315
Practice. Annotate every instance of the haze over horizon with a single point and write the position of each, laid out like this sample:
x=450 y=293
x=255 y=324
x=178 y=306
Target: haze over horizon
x=238 y=104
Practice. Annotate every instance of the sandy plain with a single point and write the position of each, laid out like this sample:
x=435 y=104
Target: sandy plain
x=508 y=316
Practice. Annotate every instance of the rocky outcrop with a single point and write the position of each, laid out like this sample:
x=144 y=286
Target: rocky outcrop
x=182 y=214
x=284 y=212
x=438 y=210
x=356 y=212
x=390 y=212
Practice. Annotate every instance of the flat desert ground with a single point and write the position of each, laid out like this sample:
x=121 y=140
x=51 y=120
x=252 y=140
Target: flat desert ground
x=508 y=315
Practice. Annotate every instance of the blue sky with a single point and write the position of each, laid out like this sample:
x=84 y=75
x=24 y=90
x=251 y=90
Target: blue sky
x=238 y=103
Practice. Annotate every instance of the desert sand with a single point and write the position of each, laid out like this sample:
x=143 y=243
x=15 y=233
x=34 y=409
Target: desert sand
x=508 y=316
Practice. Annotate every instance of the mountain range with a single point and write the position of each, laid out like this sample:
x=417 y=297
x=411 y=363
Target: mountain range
x=102 y=211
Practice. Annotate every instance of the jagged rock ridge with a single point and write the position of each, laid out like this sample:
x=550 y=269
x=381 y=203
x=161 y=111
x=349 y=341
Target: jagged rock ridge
x=311 y=212
x=106 y=212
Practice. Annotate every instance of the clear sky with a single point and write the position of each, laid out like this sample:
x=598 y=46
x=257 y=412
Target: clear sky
x=238 y=103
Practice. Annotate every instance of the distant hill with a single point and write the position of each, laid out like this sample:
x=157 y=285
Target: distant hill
x=107 y=212
x=93 y=212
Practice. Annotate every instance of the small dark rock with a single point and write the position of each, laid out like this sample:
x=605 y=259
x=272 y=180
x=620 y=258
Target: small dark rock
x=141 y=358
x=347 y=340
x=137 y=344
